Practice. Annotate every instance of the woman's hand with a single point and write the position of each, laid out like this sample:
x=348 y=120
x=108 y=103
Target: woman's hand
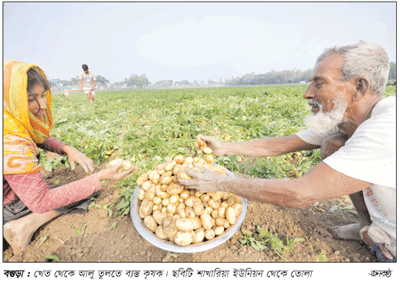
x=75 y=156
x=216 y=145
x=112 y=173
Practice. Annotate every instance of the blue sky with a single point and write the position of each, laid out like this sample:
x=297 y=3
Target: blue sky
x=187 y=41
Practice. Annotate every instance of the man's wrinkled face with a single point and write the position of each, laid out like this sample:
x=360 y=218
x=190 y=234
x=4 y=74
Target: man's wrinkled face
x=327 y=95
x=322 y=122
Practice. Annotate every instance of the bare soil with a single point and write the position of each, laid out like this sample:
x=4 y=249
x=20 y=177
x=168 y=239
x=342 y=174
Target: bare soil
x=96 y=237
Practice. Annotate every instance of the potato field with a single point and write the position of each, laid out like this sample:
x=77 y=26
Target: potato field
x=151 y=127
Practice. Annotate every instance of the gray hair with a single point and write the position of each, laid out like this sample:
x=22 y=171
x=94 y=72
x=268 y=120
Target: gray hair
x=364 y=59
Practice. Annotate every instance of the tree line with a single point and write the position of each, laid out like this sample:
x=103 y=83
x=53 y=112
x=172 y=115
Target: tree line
x=136 y=81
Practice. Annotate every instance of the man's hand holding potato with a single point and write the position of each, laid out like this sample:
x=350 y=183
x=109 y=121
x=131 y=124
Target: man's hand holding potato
x=216 y=145
x=204 y=181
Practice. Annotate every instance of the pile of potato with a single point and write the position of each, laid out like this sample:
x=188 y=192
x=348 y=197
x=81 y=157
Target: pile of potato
x=185 y=216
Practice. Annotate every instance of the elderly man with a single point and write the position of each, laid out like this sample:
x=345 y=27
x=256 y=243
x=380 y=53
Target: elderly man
x=355 y=129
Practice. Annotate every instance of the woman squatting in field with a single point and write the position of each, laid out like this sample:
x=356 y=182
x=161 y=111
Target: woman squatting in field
x=28 y=202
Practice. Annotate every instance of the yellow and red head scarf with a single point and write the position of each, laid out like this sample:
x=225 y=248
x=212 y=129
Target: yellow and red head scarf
x=22 y=130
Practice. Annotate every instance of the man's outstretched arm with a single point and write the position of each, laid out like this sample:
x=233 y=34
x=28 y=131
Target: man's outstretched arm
x=320 y=183
x=266 y=147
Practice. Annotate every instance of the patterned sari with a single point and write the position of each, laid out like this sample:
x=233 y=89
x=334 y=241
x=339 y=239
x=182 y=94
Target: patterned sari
x=22 y=130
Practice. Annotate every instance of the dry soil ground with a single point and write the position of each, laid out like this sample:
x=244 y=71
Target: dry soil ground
x=96 y=237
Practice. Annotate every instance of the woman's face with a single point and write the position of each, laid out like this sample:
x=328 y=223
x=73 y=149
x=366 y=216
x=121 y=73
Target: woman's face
x=38 y=106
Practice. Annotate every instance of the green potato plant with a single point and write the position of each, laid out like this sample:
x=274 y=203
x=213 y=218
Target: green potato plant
x=152 y=126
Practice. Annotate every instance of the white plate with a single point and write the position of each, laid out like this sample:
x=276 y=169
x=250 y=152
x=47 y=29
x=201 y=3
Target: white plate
x=172 y=247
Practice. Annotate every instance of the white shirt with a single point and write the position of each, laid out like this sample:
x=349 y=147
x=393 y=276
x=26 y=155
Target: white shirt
x=370 y=155
x=87 y=79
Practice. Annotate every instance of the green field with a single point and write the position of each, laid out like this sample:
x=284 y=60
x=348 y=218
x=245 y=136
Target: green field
x=159 y=124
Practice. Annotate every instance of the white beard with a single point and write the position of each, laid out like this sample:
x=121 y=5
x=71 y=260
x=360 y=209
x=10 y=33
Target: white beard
x=323 y=122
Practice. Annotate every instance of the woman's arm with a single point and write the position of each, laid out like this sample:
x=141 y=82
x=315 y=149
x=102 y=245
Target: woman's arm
x=74 y=155
x=39 y=198
x=53 y=145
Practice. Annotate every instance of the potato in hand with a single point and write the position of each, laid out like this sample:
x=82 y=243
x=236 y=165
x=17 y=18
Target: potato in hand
x=202 y=145
x=126 y=165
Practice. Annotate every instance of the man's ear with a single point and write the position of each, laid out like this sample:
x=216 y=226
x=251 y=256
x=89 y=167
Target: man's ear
x=362 y=86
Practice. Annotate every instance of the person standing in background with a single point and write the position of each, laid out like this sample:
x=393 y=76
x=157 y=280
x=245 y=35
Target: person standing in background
x=87 y=82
